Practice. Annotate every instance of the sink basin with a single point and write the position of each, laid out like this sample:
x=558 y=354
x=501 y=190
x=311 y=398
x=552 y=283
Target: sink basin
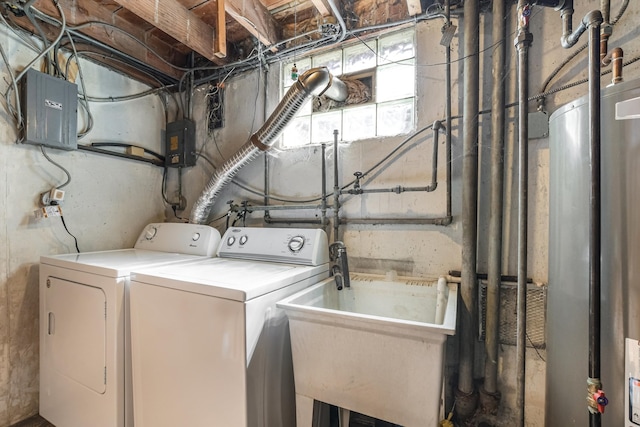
x=376 y=348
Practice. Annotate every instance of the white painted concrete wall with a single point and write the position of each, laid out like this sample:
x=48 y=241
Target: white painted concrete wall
x=428 y=251
x=107 y=204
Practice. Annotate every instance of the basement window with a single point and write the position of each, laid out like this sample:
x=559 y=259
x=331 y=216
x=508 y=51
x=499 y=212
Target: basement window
x=381 y=76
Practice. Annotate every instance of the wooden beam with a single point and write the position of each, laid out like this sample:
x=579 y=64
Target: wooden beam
x=80 y=11
x=414 y=7
x=177 y=21
x=323 y=7
x=221 y=31
x=255 y=18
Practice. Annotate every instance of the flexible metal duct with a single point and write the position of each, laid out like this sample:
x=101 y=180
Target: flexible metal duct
x=317 y=81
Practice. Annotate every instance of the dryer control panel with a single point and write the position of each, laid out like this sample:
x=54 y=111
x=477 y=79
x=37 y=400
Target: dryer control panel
x=189 y=239
x=286 y=245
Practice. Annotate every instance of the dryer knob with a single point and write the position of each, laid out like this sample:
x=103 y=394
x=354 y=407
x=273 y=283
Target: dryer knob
x=296 y=243
x=151 y=233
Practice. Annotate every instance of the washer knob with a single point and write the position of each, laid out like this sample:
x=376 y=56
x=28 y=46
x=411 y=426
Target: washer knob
x=195 y=237
x=243 y=240
x=231 y=240
x=151 y=233
x=296 y=243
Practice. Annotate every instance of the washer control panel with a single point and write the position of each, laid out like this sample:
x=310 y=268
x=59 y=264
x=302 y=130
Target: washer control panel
x=287 y=245
x=190 y=239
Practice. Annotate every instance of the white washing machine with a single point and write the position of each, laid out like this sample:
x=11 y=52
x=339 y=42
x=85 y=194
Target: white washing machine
x=85 y=359
x=210 y=347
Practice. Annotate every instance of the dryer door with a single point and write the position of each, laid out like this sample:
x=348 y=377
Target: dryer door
x=75 y=336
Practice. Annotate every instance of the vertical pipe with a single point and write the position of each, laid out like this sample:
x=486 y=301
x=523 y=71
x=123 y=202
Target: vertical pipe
x=447 y=82
x=523 y=41
x=594 y=223
x=616 y=59
x=497 y=186
x=336 y=189
x=466 y=396
x=323 y=209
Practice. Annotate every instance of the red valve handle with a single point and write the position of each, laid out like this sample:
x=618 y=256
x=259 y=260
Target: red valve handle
x=601 y=400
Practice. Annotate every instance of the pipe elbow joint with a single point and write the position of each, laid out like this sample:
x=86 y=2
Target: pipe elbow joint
x=319 y=81
x=592 y=18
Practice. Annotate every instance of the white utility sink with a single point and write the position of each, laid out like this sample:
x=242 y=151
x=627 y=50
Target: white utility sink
x=376 y=348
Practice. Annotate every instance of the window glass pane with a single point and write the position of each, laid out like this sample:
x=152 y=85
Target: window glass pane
x=359 y=123
x=396 y=47
x=301 y=64
x=324 y=124
x=359 y=57
x=297 y=133
x=395 y=118
x=331 y=60
x=395 y=81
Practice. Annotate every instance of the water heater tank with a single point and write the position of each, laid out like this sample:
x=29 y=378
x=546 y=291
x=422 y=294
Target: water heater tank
x=568 y=292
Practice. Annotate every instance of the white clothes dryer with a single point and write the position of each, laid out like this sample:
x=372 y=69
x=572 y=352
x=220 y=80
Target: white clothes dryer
x=210 y=347
x=85 y=358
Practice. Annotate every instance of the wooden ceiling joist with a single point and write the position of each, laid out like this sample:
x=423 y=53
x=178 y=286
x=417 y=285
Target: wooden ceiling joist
x=180 y=23
x=255 y=18
x=79 y=12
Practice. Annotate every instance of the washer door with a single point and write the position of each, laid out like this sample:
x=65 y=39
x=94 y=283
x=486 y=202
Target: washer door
x=75 y=336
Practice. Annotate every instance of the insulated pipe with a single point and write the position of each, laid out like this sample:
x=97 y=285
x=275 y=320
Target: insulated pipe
x=466 y=397
x=594 y=385
x=316 y=81
x=492 y=329
x=523 y=41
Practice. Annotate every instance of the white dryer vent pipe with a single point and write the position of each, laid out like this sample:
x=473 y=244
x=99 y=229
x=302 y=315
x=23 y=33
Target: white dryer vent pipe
x=317 y=81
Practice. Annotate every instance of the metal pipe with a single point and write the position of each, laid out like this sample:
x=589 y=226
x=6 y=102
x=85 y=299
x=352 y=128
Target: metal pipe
x=617 y=56
x=492 y=339
x=336 y=188
x=595 y=20
x=522 y=42
x=447 y=83
x=466 y=402
x=393 y=221
x=323 y=209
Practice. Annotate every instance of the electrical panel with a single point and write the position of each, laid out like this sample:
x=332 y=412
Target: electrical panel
x=180 y=144
x=49 y=110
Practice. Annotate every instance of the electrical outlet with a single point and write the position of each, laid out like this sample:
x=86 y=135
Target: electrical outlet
x=55 y=196
x=48 y=212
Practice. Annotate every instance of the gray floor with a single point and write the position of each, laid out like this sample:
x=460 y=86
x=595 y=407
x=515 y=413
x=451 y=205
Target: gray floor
x=36 y=421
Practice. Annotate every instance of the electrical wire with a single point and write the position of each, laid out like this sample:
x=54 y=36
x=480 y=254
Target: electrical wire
x=89 y=126
x=69 y=233
x=52 y=20
x=46 y=156
x=63 y=24
x=14 y=83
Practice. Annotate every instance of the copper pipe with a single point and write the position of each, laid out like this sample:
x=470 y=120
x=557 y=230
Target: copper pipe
x=605 y=59
x=616 y=58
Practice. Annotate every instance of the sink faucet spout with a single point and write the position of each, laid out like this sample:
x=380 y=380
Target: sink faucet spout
x=340 y=264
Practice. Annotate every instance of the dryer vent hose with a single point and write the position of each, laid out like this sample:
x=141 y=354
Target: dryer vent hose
x=317 y=81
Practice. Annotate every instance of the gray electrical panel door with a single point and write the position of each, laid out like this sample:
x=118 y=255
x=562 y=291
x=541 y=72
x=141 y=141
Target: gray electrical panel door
x=49 y=107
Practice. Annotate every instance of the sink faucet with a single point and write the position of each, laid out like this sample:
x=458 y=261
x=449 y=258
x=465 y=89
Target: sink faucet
x=340 y=267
